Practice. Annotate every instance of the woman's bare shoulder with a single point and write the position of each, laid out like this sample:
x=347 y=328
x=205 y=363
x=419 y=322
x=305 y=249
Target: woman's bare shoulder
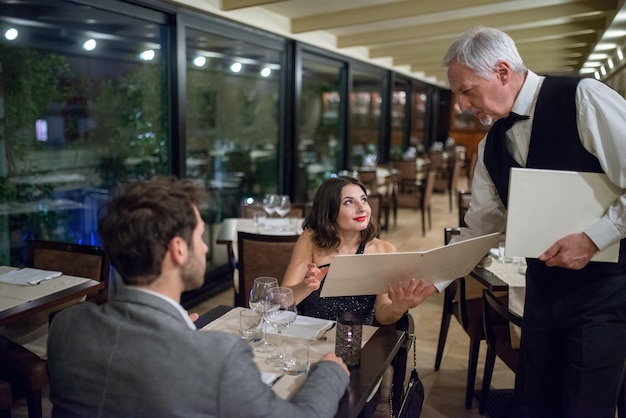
x=378 y=245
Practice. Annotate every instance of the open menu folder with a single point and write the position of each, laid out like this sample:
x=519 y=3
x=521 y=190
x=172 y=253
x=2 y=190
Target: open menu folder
x=546 y=205
x=369 y=274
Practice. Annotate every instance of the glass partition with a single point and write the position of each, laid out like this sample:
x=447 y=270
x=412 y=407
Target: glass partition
x=83 y=107
x=233 y=90
x=365 y=109
x=320 y=151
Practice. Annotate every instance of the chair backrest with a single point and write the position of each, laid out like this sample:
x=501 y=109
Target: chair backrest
x=368 y=178
x=248 y=210
x=429 y=188
x=496 y=321
x=261 y=255
x=407 y=170
x=375 y=201
x=71 y=259
x=472 y=167
x=464 y=201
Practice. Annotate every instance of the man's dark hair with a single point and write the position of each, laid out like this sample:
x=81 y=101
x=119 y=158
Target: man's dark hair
x=139 y=221
x=323 y=217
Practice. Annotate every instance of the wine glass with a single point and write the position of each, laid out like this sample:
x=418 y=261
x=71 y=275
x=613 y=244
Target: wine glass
x=269 y=204
x=282 y=312
x=260 y=303
x=284 y=205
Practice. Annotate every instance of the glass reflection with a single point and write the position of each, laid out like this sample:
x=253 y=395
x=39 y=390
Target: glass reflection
x=76 y=121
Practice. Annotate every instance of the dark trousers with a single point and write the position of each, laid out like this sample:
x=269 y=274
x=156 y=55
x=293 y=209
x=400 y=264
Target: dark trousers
x=573 y=347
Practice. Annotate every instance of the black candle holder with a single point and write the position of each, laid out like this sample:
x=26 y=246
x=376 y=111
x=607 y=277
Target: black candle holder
x=348 y=338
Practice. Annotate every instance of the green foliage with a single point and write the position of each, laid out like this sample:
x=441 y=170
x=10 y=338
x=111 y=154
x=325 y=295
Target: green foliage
x=30 y=80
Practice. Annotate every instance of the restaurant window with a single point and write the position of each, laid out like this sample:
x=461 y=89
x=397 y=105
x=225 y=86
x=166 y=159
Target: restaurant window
x=82 y=108
x=320 y=118
x=420 y=104
x=365 y=109
x=233 y=95
x=399 y=122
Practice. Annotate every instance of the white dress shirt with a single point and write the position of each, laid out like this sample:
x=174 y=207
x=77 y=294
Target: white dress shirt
x=601 y=120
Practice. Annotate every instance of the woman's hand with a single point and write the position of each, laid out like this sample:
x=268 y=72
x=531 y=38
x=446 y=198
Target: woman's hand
x=411 y=295
x=314 y=276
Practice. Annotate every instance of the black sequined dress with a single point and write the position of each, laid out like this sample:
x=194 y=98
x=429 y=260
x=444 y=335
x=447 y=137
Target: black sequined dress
x=329 y=308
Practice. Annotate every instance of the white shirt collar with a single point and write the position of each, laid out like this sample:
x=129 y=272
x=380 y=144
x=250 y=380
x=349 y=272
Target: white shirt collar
x=524 y=103
x=172 y=302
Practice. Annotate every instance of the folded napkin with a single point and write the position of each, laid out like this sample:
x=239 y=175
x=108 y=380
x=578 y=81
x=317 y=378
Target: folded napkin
x=269 y=378
x=305 y=327
x=28 y=276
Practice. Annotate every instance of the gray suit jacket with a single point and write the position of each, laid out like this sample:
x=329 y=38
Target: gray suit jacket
x=135 y=357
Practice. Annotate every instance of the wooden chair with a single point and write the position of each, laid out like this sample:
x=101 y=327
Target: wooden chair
x=388 y=189
x=71 y=259
x=407 y=175
x=249 y=206
x=369 y=180
x=497 y=320
x=375 y=201
x=261 y=255
x=471 y=167
x=469 y=313
x=464 y=201
x=454 y=180
x=27 y=372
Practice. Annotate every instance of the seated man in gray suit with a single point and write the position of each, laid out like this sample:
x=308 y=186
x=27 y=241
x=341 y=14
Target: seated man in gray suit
x=140 y=354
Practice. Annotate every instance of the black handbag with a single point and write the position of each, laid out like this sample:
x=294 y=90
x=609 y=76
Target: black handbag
x=413 y=399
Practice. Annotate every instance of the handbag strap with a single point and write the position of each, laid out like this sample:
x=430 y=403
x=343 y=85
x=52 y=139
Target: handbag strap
x=411 y=338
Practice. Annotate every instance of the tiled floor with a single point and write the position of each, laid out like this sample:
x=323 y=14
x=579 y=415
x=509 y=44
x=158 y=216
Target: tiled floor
x=445 y=389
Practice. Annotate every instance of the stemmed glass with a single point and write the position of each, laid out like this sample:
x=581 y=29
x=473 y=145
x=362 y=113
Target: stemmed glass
x=284 y=205
x=282 y=312
x=260 y=303
x=269 y=204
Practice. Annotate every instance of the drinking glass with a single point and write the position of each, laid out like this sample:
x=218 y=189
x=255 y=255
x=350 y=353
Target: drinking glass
x=260 y=303
x=284 y=205
x=269 y=204
x=282 y=312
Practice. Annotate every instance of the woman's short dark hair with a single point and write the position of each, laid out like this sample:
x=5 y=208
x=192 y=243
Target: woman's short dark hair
x=139 y=221
x=322 y=219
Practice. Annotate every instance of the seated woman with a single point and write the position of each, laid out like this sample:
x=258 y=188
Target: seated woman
x=340 y=223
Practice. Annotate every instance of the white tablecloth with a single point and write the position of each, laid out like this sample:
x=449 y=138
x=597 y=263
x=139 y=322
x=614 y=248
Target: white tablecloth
x=510 y=273
x=287 y=385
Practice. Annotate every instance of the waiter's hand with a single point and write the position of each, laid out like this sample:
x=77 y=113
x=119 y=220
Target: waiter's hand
x=573 y=252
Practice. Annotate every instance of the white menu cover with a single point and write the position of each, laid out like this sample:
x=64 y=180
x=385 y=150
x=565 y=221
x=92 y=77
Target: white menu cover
x=546 y=205
x=369 y=274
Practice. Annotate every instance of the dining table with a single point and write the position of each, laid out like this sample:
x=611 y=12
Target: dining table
x=379 y=347
x=507 y=277
x=21 y=301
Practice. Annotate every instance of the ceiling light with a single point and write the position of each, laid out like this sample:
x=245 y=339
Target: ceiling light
x=11 y=34
x=610 y=62
x=147 y=55
x=199 y=61
x=597 y=56
x=265 y=72
x=596 y=75
x=592 y=64
x=236 y=67
x=603 y=71
x=89 y=45
x=620 y=54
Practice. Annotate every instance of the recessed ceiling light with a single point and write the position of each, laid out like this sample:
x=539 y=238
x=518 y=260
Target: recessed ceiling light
x=11 y=34
x=147 y=55
x=620 y=54
x=236 y=67
x=199 y=61
x=610 y=62
x=265 y=72
x=89 y=45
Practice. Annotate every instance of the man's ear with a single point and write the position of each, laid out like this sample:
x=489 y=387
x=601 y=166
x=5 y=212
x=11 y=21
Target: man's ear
x=178 y=250
x=503 y=70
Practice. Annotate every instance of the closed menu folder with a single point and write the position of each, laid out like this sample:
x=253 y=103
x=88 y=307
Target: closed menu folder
x=369 y=274
x=547 y=205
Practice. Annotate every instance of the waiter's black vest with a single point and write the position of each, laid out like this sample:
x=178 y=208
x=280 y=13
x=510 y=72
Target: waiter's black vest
x=554 y=141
